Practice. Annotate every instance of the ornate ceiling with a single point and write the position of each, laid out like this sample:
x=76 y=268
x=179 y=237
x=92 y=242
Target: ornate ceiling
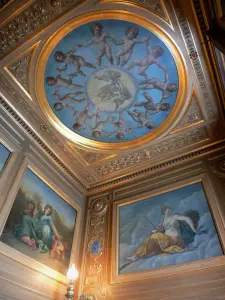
x=110 y=89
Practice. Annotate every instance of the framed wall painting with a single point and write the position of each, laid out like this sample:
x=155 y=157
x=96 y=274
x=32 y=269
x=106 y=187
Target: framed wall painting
x=4 y=157
x=40 y=227
x=165 y=233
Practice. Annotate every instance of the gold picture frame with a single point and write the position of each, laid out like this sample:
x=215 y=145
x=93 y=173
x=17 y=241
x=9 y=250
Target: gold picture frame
x=218 y=216
x=5 y=211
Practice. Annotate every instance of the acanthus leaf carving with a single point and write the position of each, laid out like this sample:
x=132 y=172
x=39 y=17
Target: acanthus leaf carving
x=165 y=147
x=192 y=116
x=19 y=68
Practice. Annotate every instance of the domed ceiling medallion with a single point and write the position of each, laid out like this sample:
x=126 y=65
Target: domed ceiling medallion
x=110 y=83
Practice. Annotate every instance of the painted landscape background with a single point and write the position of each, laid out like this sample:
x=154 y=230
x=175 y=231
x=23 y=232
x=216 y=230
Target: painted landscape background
x=63 y=216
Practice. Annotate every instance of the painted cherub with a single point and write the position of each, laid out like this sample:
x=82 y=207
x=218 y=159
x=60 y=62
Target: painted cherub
x=127 y=44
x=99 y=125
x=155 y=83
x=141 y=118
x=121 y=125
x=81 y=119
x=151 y=58
x=62 y=100
x=59 y=81
x=151 y=107
x=70 y=58
x=100 y=40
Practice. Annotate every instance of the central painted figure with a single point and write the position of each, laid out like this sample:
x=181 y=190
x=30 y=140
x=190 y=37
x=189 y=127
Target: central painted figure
x=111 y=81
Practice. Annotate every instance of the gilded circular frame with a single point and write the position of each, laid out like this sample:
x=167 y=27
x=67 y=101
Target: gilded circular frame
x=96 y=16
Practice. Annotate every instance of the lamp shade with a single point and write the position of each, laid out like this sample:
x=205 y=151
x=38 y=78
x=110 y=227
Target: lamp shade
x=72 y=273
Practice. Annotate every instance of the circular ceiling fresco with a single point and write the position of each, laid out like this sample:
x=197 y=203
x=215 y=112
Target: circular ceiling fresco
x=110 y=81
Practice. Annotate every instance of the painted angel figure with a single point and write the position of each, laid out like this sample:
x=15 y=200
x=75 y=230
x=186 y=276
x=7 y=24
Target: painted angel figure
x=151 y=106
x=155 y=83
x=121 y=125
x=127 y=44
x=151 y=58
x=82 y=118
x=111 y=89
x=141 y=118
x=70 y=58
x=99 y=125
x=59 y=81
x=168 y=237
x=63 y=100
x=99 y=39
x=124 y=96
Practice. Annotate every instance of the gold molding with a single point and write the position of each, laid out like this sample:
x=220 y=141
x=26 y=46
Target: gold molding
x=195 y=98
x=131 y=3
x=212 y=200
x=84 y=153
x=16 y=13
x=105 y=14
x=31 y=51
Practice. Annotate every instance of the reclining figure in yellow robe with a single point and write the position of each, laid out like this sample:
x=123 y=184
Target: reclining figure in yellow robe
x=165 y=241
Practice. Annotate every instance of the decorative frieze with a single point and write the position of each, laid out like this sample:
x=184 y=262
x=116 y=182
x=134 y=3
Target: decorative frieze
x=165 y=147
x=91 y=157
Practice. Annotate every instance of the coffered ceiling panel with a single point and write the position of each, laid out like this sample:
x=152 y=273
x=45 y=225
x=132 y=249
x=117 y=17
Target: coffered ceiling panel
x=111 y=87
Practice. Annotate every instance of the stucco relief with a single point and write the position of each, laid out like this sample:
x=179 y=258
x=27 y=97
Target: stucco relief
x=192 y=116
x=194 y=57
x=29 y=21
x=154 y=5
x=94 y=264
x=91 y=157
x=165 y=147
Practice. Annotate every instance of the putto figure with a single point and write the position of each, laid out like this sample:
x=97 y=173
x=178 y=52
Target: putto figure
x=151 y=107
x=63 y=100
x=121 y=125
x=81 y=119
x=127 y=44
x=70 y=58
x=58 y=81
x=151 y=58
x=99 y=125
x=100 y=40
x=155 y=83
x=140 y=117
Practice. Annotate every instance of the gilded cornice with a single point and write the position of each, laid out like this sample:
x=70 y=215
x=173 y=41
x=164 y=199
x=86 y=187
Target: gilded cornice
x=218 y=146
x=152 y=152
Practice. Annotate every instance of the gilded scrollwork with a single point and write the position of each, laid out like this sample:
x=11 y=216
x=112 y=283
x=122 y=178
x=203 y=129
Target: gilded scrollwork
x=91 y=157
x=164 y=147
x=192 y=116
x=19 y=70
x=193 y=54
x=31 y=20
x=94 y=263
x=154 y=5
